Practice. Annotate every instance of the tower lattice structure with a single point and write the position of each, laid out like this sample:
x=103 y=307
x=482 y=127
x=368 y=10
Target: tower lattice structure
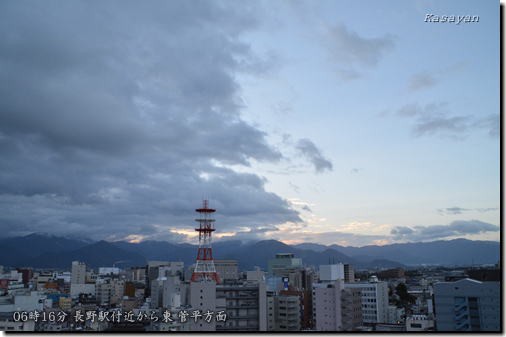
x=204 y=268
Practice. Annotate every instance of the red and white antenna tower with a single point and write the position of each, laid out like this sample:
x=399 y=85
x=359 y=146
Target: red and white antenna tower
x=204 y=269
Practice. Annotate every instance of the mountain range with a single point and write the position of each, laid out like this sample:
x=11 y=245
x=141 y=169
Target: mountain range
x=49 y=251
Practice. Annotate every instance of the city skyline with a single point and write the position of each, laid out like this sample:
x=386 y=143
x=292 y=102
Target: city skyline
x=332 y=122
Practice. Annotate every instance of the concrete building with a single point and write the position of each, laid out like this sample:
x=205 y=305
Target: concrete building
x=172 y=268
x=271 y=314
x=351 y=309
x=91 y=276
x=306 y=306
x=78 y=275
x=374 y=297
x=285 y=311
x=109 y=291
x=41 y=279
x=467 y=305
x=173 y=292
x=245 y=305
x=227 y=269
x=283 y=264
x=156 y=269
x=387 y=327
x=395 y=315
x=327 y=310
x=256 y=275
x=78 y=280
x=203 y=298
x=65 y=303
x=418 y=323
x=349 y=273
x=331 y=272
x=77 y=289
x=168 y=292
x=138 y=274
x=8 y=324
x=336 y=308
x=108 y=270
x=65 y=276
x=30 y=301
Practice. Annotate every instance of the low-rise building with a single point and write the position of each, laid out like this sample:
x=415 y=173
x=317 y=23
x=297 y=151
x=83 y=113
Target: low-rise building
x=417 y=323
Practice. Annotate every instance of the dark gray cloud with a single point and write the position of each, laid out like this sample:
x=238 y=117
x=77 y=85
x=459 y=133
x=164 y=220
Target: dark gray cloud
x=352 y=51
x=490 y=123
x=401 y=230
x=455 y=228
x=421 y=81
x=116 y=118
x=309 y=150
x=434 y=119
x=489 y=209
x=452 y=210
x=459 y=210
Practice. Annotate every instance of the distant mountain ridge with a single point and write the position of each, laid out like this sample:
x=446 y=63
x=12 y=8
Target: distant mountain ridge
x=441 y=252
x=49 y=251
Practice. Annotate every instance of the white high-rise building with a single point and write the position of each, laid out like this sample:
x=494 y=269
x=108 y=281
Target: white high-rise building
x=172 y=292
x=78 y=283
x=327 y=305
x=78 y=275
x=331 y=272
x=374 y=300
x=203 y=298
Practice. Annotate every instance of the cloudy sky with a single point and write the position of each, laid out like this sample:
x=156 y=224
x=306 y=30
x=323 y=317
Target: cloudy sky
x=348 y=122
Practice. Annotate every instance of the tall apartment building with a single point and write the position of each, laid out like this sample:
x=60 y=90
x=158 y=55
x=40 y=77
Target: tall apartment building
x=109 y=291
x=327 y=305
x=349 y=273
x=374 y=297
x=245 y=304
x=138 y=274
x=78 y=282
x=173 y=292
x=156 y=269
x=169 y=292
x=203 y=298
x=351 y=308
x=336 y=308
x=284 y=312
x=78 y=275
x=467 y=305
x=306 y=306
